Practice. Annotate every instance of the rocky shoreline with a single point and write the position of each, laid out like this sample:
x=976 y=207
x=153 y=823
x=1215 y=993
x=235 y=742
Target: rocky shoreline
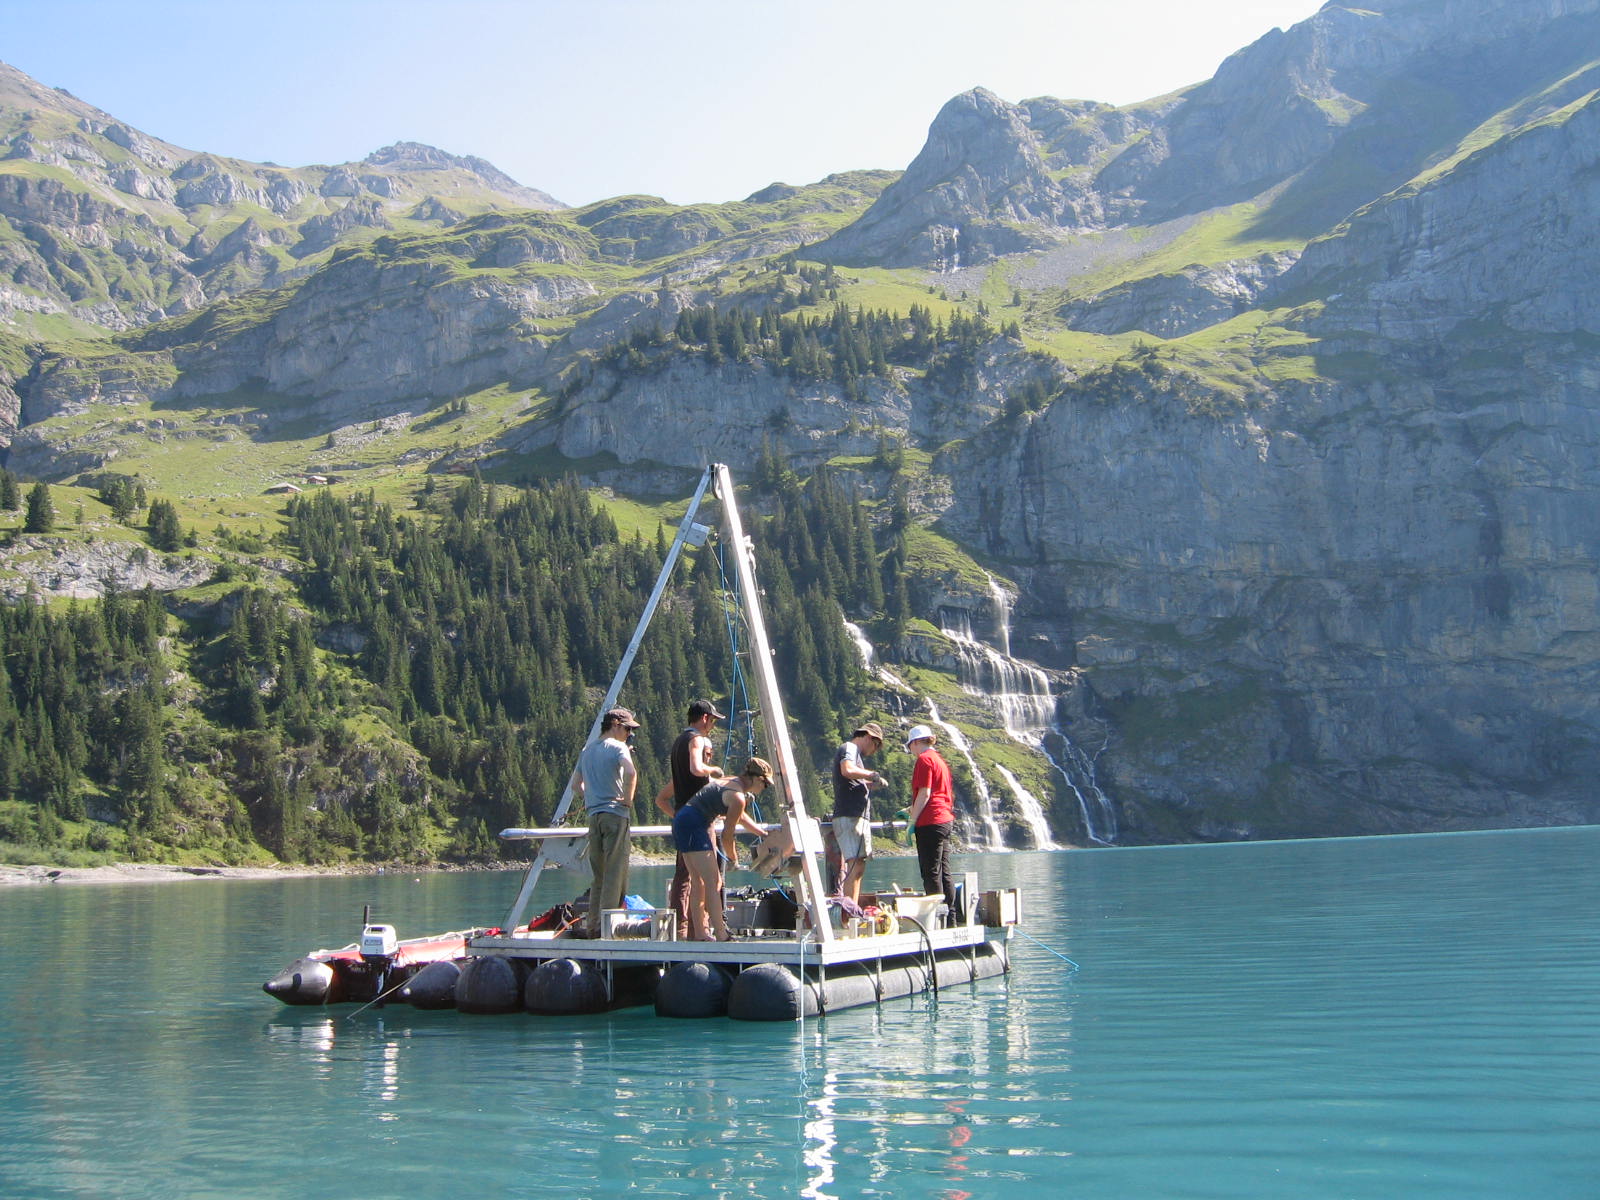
x=128 y=872
x=159 y=873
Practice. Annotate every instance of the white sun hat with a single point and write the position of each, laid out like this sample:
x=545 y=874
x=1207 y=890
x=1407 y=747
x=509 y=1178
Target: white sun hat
x=917 y=733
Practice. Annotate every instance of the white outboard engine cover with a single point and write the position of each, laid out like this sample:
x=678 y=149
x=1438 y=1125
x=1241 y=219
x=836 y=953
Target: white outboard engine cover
x=378 y=941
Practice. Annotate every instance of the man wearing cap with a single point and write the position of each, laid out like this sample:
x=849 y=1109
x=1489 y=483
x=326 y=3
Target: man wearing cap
x=852 y=818
x=606 y=779
x=933 y=814
x=692 y=767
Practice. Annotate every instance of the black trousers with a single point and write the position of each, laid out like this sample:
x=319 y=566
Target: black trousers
x=933 y=856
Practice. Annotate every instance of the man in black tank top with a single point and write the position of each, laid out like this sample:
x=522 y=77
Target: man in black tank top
x=692 y=769
x=691 y=750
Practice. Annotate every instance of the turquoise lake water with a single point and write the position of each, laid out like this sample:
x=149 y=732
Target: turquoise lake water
x=1395 y=1018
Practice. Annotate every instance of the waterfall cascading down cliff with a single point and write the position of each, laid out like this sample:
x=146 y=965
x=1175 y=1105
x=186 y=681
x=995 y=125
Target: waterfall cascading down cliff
x=1074 y=764
x=1020 y=693
x=1077 y=770
x=1029 y=809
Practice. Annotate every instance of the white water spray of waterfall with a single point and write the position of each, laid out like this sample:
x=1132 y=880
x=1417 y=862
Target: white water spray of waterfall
x=869 y=657
x=1021 y=694
x=1029 y=808
x=1099 y=814
x=1002 y=614
x=1020 y=691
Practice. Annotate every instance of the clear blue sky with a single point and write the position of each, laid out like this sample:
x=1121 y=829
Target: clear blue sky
x=693 y=100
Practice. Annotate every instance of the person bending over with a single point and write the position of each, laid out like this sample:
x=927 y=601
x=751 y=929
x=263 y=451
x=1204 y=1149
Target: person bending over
x=692 y=766
x=724 y=799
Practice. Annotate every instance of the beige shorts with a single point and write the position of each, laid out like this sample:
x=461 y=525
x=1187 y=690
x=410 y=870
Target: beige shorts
x=853 y=836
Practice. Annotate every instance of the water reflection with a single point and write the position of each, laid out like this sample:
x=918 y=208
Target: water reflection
x=308 y=1040
x=960 y=1135
x=383 y=1075
x=820 y=1141
x=929 y=1096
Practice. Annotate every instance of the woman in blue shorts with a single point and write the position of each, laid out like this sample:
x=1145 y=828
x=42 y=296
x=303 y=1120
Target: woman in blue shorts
x=691 y=832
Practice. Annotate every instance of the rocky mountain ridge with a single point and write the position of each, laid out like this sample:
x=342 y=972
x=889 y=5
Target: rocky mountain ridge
x=1308 y=122
x=109 y=227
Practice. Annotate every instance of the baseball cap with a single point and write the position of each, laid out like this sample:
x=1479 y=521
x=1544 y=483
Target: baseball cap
x=704 y=708
x=618 y=716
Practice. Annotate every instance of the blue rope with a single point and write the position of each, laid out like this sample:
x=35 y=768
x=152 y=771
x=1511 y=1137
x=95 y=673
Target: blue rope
x=1042 y=946
x=739 y=691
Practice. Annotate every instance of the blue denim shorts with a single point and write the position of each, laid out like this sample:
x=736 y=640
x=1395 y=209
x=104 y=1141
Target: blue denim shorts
x=690 y=831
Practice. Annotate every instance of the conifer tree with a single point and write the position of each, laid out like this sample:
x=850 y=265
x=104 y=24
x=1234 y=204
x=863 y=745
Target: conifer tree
x=41 y=514
x=166 y=534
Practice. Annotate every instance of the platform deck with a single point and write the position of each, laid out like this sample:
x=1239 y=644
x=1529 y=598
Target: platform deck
x=741 y=951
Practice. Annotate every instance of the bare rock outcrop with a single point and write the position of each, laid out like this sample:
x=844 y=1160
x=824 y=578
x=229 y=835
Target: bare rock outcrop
x=1172 y=305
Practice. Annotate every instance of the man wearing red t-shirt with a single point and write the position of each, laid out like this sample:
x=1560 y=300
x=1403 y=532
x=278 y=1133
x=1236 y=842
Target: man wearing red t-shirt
x=933 y=814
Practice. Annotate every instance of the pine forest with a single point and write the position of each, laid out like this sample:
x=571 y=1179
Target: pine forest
x=410 y=682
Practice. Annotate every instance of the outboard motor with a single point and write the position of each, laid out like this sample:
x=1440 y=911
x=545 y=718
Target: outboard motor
x=378 y=946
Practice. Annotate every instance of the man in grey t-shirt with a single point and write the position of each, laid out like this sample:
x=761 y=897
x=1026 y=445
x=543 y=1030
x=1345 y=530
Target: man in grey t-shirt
x=606 y=779
x=852 y=805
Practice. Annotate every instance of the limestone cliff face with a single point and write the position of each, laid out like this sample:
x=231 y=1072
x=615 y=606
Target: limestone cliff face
x=1172 y=305
x=1325 y=614
x=53 y=570
x=687 y=413
x=364 y=336
x=1507 y=236
x=10 y=406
